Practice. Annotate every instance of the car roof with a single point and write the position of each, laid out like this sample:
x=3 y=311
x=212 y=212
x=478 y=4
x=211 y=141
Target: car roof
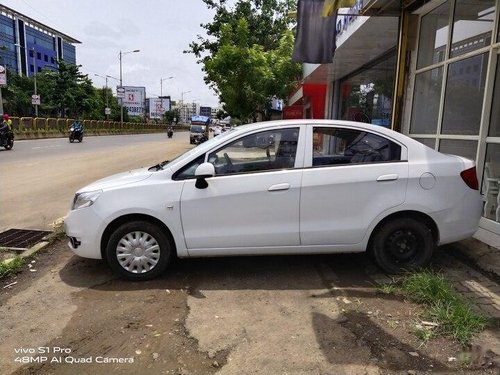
x=351 y=124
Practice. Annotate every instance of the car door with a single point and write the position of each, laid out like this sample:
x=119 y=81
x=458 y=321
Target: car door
x=252 y=201
x=355 y=175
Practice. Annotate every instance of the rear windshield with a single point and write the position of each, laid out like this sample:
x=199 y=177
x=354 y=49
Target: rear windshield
x=197 y=129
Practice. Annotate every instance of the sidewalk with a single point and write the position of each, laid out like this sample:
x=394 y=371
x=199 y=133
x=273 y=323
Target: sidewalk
x=478 y=278
x=484 y=251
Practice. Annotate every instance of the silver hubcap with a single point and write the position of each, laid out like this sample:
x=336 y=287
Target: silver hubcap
x=138 y=252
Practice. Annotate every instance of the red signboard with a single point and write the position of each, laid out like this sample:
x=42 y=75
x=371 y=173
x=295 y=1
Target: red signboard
x=293 y=112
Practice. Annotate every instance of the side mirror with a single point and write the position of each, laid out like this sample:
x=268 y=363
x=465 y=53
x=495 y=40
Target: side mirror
x=202 y=172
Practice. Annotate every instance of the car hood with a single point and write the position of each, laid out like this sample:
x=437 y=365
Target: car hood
x=118 y=180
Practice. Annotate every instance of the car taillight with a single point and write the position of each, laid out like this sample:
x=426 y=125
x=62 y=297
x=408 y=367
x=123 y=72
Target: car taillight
x=470 y=178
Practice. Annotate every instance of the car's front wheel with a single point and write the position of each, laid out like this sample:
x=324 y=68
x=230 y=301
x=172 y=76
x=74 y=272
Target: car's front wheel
x=402 y=245
x=138 y=250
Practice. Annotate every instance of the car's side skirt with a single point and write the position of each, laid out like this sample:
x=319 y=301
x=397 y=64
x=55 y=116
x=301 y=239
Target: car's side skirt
x=277 y=250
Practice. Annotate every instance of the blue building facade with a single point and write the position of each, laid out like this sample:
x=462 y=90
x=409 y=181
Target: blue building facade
x=7 y=43
x=28 y=46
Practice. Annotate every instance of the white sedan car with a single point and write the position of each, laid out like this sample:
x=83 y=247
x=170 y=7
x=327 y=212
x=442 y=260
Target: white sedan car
x=284 y=187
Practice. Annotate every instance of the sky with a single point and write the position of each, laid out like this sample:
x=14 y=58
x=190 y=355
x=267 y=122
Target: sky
x=160 y=29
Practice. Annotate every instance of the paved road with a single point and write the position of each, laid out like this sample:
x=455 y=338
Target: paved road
x=38 y=178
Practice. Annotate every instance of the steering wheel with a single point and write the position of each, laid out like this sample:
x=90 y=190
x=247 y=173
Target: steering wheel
x=228 y=161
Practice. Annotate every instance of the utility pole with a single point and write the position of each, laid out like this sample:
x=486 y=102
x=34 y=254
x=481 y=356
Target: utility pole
x=34 y=78
x=121 y=81
x=161 y=94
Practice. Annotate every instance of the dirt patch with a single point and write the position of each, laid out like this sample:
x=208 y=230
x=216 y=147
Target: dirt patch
x=310 y=315
x=109 y=320
x=144 y=324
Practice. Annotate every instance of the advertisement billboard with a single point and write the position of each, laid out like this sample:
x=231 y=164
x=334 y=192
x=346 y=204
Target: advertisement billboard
x=134 y=100
x=158 y=107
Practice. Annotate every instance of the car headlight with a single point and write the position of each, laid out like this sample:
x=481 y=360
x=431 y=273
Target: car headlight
x=85 y=199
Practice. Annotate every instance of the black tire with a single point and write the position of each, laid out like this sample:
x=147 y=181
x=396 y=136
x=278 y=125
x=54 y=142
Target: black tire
x=80 y=139
x=10 y=144
x=402 y=245
x=71 y=139
x=125 y=235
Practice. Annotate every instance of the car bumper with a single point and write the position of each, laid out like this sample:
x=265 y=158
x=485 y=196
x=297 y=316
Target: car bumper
x=84 y=230
x=461 y=221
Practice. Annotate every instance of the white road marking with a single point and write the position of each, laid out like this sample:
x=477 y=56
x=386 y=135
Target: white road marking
x=39 y=147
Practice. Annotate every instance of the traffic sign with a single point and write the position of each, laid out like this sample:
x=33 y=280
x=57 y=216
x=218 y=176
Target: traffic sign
x=3 y=75
x=120 y=92
x=107 y=111
x=35 y=99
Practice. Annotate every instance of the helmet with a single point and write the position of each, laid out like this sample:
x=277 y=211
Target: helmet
x=5 y=116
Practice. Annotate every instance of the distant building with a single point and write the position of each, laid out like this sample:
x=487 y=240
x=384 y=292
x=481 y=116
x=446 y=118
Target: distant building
x=187 y=110
x=206 y=111
x=28 y=46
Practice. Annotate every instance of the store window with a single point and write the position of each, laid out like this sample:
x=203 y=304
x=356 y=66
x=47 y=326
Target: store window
x=429 y=142
x=473 y=24
x=367 y=96
x=463 y=148
x=434 y=36
x=491 y=183
x=495 y=106
x=464 y=95
x=427 y=95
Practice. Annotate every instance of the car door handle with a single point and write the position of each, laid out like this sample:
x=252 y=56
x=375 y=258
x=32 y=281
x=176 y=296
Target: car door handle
x=388 y=177
x=279 y=187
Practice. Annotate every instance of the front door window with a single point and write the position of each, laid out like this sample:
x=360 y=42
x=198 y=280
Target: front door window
x=259 y=152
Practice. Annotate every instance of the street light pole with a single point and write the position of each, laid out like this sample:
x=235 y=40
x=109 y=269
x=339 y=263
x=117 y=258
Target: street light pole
x=34 y=68
x=121 y=81
x=106 y=78
x=161 y=93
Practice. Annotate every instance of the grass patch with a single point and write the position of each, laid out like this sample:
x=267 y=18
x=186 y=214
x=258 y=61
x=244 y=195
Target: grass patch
x=6 y=268
x=388 y=288
x=444 y=305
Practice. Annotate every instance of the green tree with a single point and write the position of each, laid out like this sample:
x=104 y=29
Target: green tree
x=17 y=95
x=74 y=91
x=246 y=76
x=247 y=55
x=169 y=116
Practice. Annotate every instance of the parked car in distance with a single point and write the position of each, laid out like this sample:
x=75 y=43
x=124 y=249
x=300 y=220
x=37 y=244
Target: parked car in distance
x=283 y=187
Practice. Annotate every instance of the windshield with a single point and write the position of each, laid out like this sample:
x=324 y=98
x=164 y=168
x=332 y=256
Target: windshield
x=197 y=129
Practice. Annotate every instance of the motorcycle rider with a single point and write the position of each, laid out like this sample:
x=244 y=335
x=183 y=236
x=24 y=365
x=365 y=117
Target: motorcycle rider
x=77 y=126
x=5 y=127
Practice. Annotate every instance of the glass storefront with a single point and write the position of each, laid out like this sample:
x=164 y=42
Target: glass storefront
x=367 y=96
x=455 y=101
x=427 y=94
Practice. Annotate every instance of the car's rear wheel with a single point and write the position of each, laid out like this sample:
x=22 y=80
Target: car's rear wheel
x=138 y=250
x=402 y=245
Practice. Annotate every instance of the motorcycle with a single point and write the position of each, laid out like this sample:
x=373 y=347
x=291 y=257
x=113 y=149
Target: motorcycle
x=170 y=133
x=7 y=139
x=75 y=132
x=201 y=139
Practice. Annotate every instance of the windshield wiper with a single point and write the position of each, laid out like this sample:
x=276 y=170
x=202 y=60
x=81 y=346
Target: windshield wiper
x=158 y=166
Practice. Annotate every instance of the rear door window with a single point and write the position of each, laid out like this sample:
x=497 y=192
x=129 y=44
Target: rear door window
x=340 y=146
